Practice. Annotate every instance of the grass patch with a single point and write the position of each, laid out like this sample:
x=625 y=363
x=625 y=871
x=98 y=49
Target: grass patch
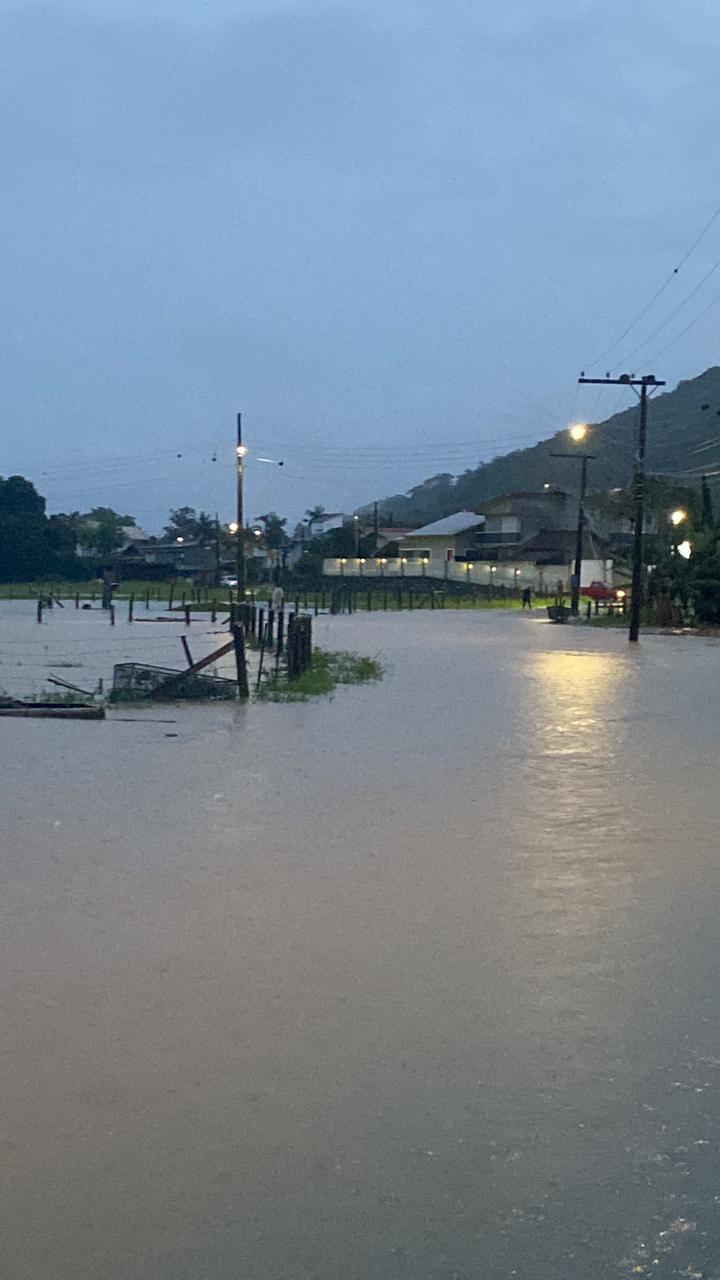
x=328 y=670
x=65 y=698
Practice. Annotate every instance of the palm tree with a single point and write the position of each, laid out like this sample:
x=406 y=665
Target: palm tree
x=313 y=514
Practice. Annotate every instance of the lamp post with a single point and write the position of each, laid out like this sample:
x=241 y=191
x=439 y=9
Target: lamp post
x=240 y=452
x=578 y=432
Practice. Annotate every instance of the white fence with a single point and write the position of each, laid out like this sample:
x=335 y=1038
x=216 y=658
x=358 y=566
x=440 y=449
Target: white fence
x=520 y=573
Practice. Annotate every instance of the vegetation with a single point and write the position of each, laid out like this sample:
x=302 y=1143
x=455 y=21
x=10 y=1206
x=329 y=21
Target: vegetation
x=328 y=670
x=191 y=525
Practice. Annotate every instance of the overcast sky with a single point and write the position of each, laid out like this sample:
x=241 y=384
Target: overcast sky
x=390 y=233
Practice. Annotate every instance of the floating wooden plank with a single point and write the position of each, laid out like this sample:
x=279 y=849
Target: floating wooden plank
x=52 y=711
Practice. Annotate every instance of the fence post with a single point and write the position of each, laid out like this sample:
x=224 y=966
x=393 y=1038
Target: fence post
x=240 y=663
x=147 y=598
x=112 y=615
x=187 y=614
x=271 y=625
x=77 y=599
x=39 y=609
x=131 y=608
x=280 y=630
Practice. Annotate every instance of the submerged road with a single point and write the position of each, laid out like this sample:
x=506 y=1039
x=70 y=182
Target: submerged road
x=419 y=981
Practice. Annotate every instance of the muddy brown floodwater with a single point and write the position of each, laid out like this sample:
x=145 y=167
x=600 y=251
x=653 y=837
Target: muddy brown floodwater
x=420 y=981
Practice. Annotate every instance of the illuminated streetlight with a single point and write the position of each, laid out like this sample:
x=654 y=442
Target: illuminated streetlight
x=685 y=549
x=678 y=516
x=578 y=432
x=241 y=451
x=233 y=526
x=179 y=539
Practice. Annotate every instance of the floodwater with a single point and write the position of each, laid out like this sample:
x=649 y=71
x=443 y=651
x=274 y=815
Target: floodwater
x=419 y=981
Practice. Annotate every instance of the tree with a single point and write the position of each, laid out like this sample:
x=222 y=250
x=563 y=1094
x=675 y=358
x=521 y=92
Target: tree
x=63 y=533
x=314 y=514
x=102 y=530
x=23 y=530
x=191 y=525
x=275 y=535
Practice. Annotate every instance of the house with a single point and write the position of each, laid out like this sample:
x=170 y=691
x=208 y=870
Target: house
x=443 y=540
x=513 y=519
x=186 y=558
x=330 y=520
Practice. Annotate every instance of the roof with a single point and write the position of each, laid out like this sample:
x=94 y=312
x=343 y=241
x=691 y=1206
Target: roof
x=562 y=542
x=457 y=523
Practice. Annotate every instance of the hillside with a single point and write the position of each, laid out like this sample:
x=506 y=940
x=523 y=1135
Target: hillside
x=683 y=436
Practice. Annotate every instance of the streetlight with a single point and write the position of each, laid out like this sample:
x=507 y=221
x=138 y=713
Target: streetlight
x=240 y=453
x=578 y=433
x=684 y=549
x=343 y=562
x=233 y=526
x=678 y=516
x=361 y=563
x=356 y=523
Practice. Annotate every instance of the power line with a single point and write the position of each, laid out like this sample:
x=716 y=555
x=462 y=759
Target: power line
x=657 y=294
x=676 y=310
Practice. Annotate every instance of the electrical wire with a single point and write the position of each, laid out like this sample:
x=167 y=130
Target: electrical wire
x=625 y=360
x=591 y=364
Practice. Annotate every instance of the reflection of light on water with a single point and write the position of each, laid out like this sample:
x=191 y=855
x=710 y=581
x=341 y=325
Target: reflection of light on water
x=570 y=832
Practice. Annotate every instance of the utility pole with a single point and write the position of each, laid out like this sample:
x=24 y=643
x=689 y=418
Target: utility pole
x=648 y=381
x=217 y=550
x=577 y=575
x=239 y=518
x=375 y=528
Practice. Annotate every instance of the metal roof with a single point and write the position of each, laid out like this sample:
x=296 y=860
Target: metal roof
x=456 y=523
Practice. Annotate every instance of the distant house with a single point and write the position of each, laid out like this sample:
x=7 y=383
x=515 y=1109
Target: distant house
x=331 y=520
x=512 y=520
x=443 y=540
x=186 y=558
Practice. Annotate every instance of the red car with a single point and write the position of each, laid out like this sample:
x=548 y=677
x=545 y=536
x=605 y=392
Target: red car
x=601 y=591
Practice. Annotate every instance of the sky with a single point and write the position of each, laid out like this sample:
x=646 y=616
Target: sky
x=390 y=234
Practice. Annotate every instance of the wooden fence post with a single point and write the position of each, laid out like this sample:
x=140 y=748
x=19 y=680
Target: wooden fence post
x=131 y=608
x=240 y=663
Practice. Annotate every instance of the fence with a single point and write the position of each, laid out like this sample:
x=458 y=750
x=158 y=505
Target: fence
x=508 y=573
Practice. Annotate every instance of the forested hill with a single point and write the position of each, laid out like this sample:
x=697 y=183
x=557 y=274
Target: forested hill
x=683 y=436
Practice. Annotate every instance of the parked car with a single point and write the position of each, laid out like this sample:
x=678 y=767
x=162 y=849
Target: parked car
x=601 y=591
x=228 y=580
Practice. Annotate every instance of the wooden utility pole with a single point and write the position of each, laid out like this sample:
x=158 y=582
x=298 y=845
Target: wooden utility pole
x=647 y=384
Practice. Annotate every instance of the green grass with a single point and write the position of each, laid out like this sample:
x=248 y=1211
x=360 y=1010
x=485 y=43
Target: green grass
x=328 y=670
x=65 y=698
